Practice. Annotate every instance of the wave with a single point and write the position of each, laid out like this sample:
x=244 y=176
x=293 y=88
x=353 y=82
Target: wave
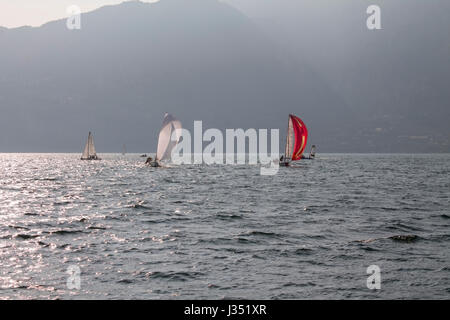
x=257 y=233
x=397 y=238
x=25 y=236
x=18 y=227
x=245 y=240
x=439 y=237
x=175 y=275
x=43 y=244
x=61 y=203
x=405 y=238
x=66 y=232
x=125 y=281
x=47 y=179
x=224 y=216
x=303 y=251
x=96 y=228
x=140 y=206
x=403 y=227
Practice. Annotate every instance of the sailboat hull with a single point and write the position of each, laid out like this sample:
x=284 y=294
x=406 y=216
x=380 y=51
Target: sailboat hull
x=91 y=159
x=154 y=164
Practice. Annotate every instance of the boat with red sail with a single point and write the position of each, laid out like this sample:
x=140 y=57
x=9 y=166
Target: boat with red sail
x=296 y=139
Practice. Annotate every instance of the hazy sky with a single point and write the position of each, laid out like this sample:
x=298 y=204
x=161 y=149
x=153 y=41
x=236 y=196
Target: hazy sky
x=358 y=90
x=16 y=13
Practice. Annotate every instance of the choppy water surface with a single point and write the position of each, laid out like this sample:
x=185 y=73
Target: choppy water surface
x=213 y=232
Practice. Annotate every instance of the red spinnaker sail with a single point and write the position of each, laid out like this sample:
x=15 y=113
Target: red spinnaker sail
x=301 y=136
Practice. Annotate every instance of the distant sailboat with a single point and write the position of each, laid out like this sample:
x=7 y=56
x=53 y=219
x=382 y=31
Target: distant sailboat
x=296 y=138
x=169 y=127
x=312 y=153
x=89 y=150
x=124 y=150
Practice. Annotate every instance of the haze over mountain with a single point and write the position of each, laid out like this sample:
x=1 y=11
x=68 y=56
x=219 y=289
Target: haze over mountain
x=395 y=80
x=205 y=60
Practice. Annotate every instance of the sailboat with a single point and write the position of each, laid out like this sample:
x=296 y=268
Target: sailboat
x=296 y=138
x=312 y=153
x=89 y=150
x=170 y=126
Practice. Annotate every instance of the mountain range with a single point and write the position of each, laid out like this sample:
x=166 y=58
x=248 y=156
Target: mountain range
x=212 y=61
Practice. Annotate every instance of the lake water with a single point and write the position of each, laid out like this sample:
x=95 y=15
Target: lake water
x=215 y=232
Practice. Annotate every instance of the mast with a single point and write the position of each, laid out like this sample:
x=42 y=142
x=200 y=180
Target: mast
x=89 y=144
x=287 y=141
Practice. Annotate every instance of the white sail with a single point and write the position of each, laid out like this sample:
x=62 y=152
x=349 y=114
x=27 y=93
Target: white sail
x=92 y=151
x=289 y=141
x=85 y=154
x=165 y=146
